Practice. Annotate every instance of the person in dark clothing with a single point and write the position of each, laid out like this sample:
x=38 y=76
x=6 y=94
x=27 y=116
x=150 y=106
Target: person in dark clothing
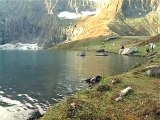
x=147 y=50
x=122 y=47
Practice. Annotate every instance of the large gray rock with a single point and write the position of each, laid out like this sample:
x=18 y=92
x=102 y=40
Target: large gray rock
x=36 y=114
x=155 y=72
x=128 y=51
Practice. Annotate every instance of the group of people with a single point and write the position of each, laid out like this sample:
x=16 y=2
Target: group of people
x=148 y=50
x=152 y=46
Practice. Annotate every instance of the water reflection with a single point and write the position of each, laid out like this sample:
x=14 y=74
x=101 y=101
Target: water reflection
x=40 y=78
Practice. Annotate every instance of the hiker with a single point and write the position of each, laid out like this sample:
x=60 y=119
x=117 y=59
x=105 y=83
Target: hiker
x=147 y=50
x=122 y=47
x=152 y=45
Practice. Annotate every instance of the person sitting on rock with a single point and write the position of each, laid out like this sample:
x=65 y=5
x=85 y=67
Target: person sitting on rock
x=147 y=50
x=122 y=47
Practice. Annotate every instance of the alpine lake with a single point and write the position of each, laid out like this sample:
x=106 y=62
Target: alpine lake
x=32 y=80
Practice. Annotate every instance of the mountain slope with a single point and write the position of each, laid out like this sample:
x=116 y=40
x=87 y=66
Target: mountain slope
x=36 y=20
x=121 y=17
x=28 y=21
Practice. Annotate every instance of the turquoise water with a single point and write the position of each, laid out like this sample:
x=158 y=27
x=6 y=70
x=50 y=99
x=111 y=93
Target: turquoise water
x=37 y=79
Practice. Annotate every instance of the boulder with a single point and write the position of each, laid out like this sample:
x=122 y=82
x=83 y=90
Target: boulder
x=150 y=67
x=155 y=72
x=119 y=99
x=101 y=51
x=125 y=91
x=120 y=51
x=94 y=80
x=128 y=51
x=35 y=115
x=83 y=54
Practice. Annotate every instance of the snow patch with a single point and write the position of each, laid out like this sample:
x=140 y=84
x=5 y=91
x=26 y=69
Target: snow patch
x=70 y=15
x=20 y=46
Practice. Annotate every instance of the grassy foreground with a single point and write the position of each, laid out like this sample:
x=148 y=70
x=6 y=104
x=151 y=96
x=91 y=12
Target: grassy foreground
x=98 y=103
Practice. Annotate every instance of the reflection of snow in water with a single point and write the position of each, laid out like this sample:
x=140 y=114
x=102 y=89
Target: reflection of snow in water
x=20 y=46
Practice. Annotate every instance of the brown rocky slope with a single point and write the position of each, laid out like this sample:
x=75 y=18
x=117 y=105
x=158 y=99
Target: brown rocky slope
x=120 y=17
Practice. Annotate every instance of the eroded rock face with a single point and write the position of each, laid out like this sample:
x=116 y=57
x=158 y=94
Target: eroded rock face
x=121 y=17
x=27 y=21
x=139 y=8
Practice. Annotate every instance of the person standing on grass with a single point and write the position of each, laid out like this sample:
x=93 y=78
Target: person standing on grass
x=152 y=45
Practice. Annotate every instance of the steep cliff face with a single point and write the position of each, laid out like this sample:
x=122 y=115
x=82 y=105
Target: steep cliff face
x=28 y=21
x=36 y=20
x=142 y=16
x=121 y=17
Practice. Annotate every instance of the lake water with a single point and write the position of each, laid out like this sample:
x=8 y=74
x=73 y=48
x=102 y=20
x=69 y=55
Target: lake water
x=37 y=79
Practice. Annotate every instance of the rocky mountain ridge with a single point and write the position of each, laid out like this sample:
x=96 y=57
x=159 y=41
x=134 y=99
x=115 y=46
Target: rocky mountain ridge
x=121 y=17
x=36 y=21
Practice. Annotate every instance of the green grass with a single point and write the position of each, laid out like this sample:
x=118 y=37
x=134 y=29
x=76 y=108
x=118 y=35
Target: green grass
x=111 y=45
x=95 y=104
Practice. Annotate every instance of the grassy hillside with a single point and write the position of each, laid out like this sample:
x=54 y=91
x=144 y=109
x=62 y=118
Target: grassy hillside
x=111 y=45
x=120 y=17
x=98 y=103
